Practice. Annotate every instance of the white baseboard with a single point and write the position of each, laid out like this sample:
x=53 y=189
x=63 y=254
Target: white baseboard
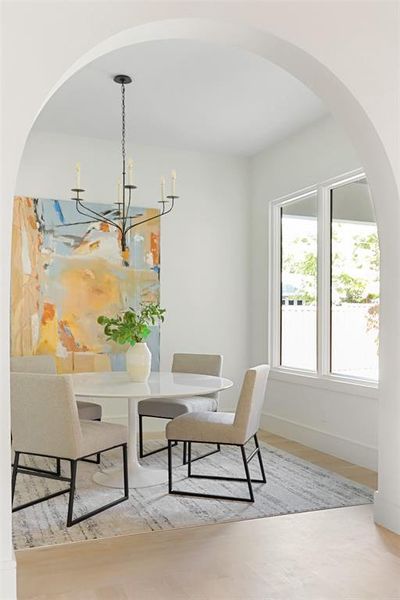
x=336 y=445
x=386 y=513
x=8 y=580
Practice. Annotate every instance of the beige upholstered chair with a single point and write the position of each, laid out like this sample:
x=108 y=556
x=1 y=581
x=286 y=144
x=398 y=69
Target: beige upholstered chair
x=45 y=422
x=43 y=363
x=46 y=364
x=233 y=429
x=203 y=364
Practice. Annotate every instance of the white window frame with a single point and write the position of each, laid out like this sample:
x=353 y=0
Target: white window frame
x=322 y=377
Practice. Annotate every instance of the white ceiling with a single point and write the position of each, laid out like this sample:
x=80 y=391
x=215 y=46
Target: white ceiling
x=187 y=95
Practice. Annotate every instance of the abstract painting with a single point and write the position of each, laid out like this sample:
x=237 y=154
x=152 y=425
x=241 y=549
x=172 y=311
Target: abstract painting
x=66 y=271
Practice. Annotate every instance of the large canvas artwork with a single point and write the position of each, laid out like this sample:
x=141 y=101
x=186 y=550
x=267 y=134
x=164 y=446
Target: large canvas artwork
x=66 y=271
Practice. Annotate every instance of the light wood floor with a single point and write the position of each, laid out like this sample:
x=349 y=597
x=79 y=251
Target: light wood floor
x=337 y=465
x=335 y=554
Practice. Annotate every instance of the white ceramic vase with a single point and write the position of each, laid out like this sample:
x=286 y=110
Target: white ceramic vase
x=138 y=362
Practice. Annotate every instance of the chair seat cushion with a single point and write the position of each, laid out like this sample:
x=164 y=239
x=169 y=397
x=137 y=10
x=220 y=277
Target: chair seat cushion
x=213 y=427
x=90 y=411
x=100 y=435
x=171 y=408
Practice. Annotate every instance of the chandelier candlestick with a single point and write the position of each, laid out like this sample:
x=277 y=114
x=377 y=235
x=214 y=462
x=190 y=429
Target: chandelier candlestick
x=124 y=221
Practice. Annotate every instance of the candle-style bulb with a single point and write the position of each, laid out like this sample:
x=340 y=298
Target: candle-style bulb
x=78 y=176
x=130 y=171
x=162 y=189
x=173 y=183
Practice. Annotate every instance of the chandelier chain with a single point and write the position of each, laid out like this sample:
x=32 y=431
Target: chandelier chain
x=123 y=122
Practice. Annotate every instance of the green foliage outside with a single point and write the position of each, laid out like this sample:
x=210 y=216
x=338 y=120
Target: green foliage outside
x=348 y=288
x=132 y=326
x=367 y=249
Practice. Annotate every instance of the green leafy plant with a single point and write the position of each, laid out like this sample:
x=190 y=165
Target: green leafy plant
x=132 y=326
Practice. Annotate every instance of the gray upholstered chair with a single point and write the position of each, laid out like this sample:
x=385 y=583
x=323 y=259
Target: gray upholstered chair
x=45 y=422
x=43 y=363
x=232 y=429
x=203 y=364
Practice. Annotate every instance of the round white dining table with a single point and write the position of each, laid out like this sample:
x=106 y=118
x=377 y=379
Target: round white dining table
x=117 y=384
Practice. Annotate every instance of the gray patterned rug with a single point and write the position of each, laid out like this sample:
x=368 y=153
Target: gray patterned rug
x=293 y=485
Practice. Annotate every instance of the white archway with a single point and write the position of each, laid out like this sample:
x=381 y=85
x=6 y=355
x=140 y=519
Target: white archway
x=371 y=151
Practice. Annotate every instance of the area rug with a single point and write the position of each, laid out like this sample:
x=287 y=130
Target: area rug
x=293 y=485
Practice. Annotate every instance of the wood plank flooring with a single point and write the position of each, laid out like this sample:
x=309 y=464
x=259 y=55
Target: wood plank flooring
x=335 y=554
x=337 y=465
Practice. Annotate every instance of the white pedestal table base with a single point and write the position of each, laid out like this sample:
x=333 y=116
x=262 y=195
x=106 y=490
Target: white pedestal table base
x=139 y=476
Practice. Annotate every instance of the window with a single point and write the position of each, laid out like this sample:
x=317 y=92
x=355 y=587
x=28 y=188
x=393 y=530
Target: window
x=354 y=282
x=325 y=281
x=299 y=284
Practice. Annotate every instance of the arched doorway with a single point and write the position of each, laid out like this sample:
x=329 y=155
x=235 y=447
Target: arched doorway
x=372 y=153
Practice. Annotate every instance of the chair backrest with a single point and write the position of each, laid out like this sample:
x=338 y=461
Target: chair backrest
x=251 y=400
x=33 y=364
x=44 y=415
x=203 y=364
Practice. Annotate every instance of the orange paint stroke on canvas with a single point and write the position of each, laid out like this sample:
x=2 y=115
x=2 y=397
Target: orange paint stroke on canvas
x=155 y=247
x=48 y=336
x=48 y=314
x=67 y=338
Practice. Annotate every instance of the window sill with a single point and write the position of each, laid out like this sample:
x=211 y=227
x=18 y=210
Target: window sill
x=368 y=389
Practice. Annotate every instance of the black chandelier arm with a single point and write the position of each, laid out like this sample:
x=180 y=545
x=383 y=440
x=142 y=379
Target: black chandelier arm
x=78 y=223
x=151 y=218
x=93 y=213
x=90 y=212
x=171 y=207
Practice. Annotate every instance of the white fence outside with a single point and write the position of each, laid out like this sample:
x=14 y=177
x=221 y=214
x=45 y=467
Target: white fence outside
x=354 y=349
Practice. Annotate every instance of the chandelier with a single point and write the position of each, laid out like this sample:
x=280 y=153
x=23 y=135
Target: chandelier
x=124 y=221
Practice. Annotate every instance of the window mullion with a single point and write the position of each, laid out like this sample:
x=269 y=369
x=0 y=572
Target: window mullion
x=275 y=286
x=324 y=281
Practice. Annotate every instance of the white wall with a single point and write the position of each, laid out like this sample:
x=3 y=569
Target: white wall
x=334 y=420
x=204 y=241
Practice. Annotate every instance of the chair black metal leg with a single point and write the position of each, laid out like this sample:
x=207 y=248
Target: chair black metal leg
x=260 y=460
x=169 y=467
x=189 y=445
x=14 y=474
x=74 y=464
x=92 y=513
x=142 y=454
x=184 y=453
x=247 y=471
x=247 y=479
x=58 y=467
x=125 y=467
x=72 y=484
x=47 y=474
